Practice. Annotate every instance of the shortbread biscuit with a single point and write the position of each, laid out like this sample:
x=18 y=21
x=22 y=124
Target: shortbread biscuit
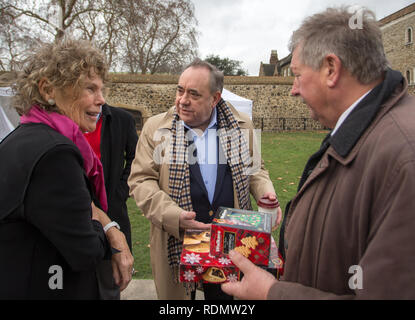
x=250 y=242
x=204 y=236
x=188 y=241
x=245 y=251
x=200 y=248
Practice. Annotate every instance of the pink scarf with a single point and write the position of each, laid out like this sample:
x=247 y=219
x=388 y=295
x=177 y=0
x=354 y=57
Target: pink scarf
x=70 y=129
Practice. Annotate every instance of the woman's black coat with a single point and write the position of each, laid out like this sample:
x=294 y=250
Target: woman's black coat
x=49 y=245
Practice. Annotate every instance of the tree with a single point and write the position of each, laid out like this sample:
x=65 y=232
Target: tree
x=136 y=35
x=103 y=27
x=159 y=35
x=26 y=23
x=228 y=66
x=52 y=16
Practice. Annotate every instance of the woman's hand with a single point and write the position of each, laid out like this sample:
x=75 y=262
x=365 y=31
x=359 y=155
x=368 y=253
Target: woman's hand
x=122 y=262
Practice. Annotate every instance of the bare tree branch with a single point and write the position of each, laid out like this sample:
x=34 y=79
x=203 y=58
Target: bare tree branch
x=137 y=35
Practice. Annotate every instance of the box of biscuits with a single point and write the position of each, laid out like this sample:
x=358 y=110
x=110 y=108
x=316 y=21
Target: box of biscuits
x=248 y=232
x=196 y=263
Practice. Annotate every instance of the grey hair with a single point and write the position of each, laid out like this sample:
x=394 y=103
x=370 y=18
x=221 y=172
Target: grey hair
x=359 y=47
x=63 y=64
x=216 y=76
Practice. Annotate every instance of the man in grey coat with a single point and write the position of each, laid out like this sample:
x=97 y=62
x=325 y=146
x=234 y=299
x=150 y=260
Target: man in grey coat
x=348 y=232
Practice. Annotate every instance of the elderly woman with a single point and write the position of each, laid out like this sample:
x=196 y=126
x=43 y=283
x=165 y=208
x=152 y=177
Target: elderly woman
x=52 y=233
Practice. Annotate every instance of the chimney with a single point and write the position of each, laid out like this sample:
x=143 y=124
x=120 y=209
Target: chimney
x=274 y=57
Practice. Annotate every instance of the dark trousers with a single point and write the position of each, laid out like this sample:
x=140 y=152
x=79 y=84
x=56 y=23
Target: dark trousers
x=212 y=292
x=106 y=284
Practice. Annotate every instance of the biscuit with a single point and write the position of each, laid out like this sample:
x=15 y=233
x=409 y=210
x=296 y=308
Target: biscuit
x=250 y=242
x=201 y=247
x=243 y=250
x=187 y=241
x=205 y=236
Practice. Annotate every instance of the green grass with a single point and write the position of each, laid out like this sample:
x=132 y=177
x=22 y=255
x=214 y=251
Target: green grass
x=140 y=238
x=285 y=155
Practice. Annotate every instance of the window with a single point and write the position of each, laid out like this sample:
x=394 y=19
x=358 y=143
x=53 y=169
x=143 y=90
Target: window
x=409 y=35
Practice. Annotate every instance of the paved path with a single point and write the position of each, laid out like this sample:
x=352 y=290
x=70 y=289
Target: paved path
x=145 y=290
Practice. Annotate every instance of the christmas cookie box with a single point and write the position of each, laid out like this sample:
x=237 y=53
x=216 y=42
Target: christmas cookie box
x=197 y=264
x=248 y=232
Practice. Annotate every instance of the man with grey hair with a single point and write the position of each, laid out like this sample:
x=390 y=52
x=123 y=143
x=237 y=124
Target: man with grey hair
x=349 y=231
x=189 y=161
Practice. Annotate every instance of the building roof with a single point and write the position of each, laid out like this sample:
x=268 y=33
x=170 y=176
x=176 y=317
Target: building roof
x=269 y=69
x=284 y=61
x=398 y=14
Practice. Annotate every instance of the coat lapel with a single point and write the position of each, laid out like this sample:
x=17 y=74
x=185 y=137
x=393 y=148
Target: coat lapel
x=105 y=148
x=219 y=178
x=195 y=172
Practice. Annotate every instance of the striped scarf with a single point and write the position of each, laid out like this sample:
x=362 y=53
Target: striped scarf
x=236 y=149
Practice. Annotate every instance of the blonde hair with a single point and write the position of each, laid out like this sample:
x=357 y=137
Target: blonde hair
x=64 y=64
x=360 y=48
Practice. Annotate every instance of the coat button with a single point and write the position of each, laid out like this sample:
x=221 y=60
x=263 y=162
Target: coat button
x=211 y=213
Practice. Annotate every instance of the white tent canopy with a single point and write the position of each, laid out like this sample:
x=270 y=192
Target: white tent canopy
x=9 y=118
x=241 y=104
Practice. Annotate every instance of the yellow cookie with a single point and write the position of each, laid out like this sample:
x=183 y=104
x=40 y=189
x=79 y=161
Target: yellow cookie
x=200 y=247
x=205 y=236
x=243 y=250
x=250 y=242
x=188 y=241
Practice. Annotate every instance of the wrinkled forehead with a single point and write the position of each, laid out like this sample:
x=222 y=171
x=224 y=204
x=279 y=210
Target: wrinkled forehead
x=91 y=76
x=86 y=80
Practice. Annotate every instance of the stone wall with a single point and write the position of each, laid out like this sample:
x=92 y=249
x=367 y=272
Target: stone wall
x=399 y=51
x=273 y=107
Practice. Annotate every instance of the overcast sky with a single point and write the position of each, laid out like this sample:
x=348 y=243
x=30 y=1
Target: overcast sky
x=247 y=30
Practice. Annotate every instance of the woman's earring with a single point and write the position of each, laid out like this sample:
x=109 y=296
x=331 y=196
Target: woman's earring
x=51 y=102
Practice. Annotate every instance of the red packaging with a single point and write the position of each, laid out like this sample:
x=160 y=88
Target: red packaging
x=201 y=266
x=196 y=263
x=276 y=264
x=248 y=232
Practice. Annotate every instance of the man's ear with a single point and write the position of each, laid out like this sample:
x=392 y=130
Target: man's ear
x=216 y=98
x=46 y=90
x=332 y=67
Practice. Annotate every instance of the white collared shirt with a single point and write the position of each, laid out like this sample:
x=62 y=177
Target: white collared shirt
x=346 y=113
x=207 y=153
